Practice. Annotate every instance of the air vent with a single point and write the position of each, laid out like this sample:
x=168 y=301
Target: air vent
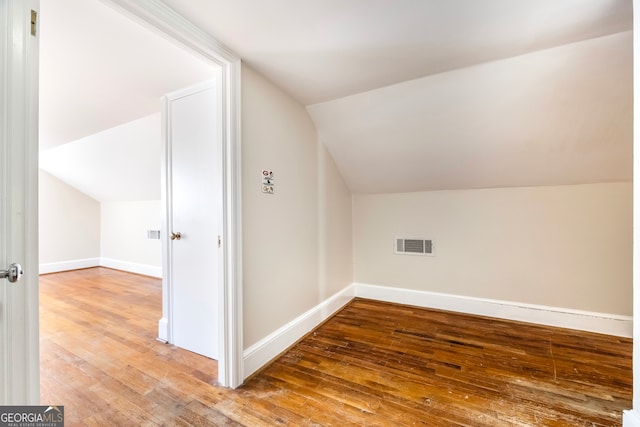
x=414 y=246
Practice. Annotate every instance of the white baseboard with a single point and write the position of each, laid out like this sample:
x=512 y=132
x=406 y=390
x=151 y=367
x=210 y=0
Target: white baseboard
x=163 y=329
x=630 y=419
x=272 y=345
x=603 y=323
x=132 y=267
x=57 y=267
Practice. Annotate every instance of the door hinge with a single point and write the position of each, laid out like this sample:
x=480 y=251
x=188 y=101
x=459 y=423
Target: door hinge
x=34 y=22
x=219 y=242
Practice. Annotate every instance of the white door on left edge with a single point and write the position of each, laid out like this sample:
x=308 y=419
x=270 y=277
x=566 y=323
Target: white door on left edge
x=194 y=145
x=19 y=358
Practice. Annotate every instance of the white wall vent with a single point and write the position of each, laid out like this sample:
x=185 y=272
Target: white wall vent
x=414 y=246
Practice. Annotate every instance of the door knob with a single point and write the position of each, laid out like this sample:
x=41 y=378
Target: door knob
x=176 y=236
x=13 y=273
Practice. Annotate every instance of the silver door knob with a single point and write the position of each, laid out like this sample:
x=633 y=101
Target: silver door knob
x=175 y=236
x=13 y=273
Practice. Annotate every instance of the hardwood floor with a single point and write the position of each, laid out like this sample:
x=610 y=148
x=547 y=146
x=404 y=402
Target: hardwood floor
x=373 y=364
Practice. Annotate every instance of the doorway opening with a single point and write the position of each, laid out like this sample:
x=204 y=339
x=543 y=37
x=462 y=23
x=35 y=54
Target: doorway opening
x=109 y=88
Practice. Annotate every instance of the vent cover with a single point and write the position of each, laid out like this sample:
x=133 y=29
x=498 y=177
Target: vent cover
x=414 y=246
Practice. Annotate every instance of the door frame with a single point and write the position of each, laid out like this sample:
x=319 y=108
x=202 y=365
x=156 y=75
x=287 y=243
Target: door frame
x=157 y=16
x=19 y=315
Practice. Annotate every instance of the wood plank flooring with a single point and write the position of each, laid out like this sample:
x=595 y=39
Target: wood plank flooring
x=373 y=364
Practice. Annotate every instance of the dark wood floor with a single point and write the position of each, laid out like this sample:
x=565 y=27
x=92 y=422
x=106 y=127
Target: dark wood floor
x=372 y=364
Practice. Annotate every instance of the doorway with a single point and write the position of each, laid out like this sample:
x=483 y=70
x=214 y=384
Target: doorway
x=171 y=26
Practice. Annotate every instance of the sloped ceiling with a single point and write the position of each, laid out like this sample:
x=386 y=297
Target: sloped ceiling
x=557 y=116
x=407 y=95
x=99 y=69
x=121 y=163
x=328 y=49
x=413 y=95
x=102 y=77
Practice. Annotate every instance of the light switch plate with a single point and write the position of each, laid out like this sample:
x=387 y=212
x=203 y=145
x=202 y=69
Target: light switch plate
x=267 y=181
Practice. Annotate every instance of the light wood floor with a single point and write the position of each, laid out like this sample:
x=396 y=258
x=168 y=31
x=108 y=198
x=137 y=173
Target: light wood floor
x=373 y=364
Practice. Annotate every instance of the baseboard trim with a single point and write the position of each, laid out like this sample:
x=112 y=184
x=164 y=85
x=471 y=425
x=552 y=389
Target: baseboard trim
x=163 y=330
x=78 y=264
x=132 y=267
x=630 y=419
x=268 y=348
x=57 y=267
x=603 y=323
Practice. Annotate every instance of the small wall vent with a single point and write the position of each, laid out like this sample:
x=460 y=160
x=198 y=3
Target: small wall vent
x=414 y=246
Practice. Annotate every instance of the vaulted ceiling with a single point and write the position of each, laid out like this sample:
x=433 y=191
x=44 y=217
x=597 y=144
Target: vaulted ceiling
x=319 y=50
x=102 y=77
x=553 y=117
x=408 y=95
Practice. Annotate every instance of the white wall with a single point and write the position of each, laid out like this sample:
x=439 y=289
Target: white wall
x=69 y=223
x=123 y=236
x=564 y=246
x=296 y=242
x=77 y=231
x=334 y=228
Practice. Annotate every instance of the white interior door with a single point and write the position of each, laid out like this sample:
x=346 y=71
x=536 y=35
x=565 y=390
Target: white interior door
x=195 y=205
x=19 y=359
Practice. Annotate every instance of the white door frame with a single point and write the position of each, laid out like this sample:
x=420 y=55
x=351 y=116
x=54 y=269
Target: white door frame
x=154 y=14
x=19 y=311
